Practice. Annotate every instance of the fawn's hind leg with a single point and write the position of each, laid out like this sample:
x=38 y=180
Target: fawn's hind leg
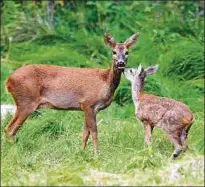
x=183 y=137
x=175 y=139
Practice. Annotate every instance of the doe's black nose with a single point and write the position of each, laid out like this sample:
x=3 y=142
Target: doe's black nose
x=121 y=63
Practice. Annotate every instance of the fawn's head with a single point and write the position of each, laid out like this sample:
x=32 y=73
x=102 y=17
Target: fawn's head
x=136 y=75
x=120 y=50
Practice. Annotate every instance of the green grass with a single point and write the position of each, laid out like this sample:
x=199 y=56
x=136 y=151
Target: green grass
x=47 y=152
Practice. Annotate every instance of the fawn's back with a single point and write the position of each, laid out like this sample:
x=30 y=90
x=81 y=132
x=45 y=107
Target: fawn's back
x=174 y=117
x=162 y=111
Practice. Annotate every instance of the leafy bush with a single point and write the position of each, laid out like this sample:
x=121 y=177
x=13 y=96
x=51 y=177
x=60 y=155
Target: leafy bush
x=185 y=60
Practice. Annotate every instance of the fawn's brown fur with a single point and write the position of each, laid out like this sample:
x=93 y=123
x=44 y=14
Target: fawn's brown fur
x=86 y=89
x=174 y=117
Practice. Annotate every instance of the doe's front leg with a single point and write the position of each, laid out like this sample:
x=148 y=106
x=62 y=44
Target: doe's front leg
x=85 y=136
x=91 y=128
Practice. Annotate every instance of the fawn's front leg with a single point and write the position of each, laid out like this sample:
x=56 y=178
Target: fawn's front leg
x=148 y=128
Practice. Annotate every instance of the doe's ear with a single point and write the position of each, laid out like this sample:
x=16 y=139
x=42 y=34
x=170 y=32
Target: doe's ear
x=109 y=40
x=130 y=41
x=152 y=69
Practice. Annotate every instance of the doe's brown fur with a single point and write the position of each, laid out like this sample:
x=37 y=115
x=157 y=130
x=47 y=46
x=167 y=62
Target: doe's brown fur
x=85 y=89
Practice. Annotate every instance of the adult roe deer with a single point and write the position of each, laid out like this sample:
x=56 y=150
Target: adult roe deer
x=85 y=89
x=174 y=117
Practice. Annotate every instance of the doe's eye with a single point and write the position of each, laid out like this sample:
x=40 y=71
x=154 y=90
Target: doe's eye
x=126 y=53
x=114 y=52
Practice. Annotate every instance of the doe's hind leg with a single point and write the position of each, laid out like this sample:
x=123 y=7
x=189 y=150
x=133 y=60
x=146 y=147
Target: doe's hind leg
x=9 y=126
x=19 y=118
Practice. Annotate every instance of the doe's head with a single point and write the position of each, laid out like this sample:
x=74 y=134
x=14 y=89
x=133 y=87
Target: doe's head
x=139 y=74
x=120 y=50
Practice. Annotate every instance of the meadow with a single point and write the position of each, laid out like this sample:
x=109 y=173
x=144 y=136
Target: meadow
x=47 y=148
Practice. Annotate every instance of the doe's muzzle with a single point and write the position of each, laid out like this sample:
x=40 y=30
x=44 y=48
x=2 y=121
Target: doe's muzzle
x=121 y=64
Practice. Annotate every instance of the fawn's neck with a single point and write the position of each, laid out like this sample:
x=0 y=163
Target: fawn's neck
x=114 y=77
x=137 y=90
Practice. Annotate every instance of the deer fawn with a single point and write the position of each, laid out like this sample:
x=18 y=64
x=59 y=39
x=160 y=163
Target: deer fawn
x=174 y=117
x=85 y=89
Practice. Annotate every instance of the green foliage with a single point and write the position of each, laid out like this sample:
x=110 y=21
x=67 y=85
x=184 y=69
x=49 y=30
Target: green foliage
x=47 y=149
x=10 y=11
x=4 y=74
x=185 y=60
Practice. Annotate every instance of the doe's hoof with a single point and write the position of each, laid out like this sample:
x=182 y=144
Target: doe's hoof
x=9 y=138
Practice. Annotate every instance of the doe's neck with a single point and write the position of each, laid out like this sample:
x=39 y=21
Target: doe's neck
x=114 y=77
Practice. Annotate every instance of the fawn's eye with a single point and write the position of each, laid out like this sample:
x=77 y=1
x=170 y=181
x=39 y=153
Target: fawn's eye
x=114 y=52
x=126 y=53
x=130 y=71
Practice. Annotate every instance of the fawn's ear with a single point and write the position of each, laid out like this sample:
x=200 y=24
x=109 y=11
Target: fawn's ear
x=109 y=40
x=139 y=69
x=152 y=69
x=130 y=41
